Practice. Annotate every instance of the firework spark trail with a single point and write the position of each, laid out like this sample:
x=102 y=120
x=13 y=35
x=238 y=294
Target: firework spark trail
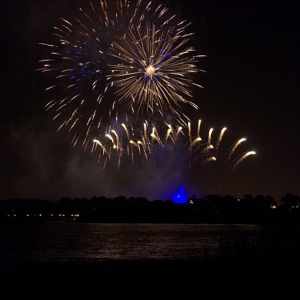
x=213 y=169
x=241 y=158
x=220 y=138
x=234 y=165
x=209 y=135
x=123 y=144
x=144 y=142
x=198 y=128
x=113 y=60
x=235 y=145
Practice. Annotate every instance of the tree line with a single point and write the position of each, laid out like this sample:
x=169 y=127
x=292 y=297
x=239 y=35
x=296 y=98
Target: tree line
x=258 y=209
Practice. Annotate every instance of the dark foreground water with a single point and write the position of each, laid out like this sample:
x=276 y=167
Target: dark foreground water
x=149 y=261
x=75 y=242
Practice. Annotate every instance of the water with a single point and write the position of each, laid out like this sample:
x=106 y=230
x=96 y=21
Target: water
x=76 y=242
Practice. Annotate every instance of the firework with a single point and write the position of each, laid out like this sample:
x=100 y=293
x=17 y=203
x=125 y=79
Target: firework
x=212 y=163
x=121 y=74
x=241 y=158
x=208 y=160
x=116 y=59
x=153 y=69
x=166 y=146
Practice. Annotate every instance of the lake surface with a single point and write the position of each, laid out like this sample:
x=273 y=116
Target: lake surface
x=86 y=242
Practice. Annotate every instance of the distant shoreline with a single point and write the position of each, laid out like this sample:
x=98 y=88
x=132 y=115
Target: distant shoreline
x=212 y=209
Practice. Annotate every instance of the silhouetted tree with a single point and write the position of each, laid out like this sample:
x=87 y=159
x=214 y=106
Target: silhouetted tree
x=290 y=200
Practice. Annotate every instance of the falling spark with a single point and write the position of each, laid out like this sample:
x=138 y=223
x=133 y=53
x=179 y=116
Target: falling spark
x=236 y=144
x=242 y=157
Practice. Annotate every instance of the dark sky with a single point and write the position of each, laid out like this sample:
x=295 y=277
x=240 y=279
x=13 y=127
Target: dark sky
x=251 y=87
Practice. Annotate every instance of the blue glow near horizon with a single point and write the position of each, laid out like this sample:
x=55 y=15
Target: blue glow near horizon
x=180 y=196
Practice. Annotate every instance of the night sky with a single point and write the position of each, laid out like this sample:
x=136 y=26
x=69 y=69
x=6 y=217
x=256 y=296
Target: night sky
x=251 y=87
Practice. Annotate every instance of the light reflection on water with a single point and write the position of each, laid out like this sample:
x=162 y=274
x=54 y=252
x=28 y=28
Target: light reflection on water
x=75 y=242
